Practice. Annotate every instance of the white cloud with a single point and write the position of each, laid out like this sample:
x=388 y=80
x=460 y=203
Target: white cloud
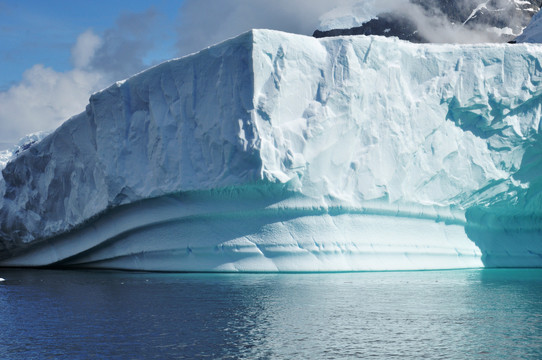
x=124 y=46
x=437 y=28
x=206 y=22
x=84 y=49
x=45 y=98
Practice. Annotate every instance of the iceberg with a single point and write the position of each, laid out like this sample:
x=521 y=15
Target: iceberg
x=22 y=145
x=281 y=152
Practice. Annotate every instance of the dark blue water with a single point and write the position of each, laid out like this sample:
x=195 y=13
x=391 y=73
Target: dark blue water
x=475 y=314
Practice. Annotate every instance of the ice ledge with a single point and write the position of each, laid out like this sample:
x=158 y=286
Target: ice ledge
x=247 y=229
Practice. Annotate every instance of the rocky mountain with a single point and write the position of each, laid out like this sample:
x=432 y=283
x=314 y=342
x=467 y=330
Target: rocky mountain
x=420 y=20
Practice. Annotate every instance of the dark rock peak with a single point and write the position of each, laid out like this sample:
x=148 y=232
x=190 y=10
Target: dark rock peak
x=476 y=14
x=387 y=24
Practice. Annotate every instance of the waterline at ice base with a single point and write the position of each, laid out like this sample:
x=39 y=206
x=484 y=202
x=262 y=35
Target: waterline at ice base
x=280 y=152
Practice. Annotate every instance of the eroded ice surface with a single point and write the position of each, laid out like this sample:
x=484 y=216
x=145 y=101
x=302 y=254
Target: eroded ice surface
x=274 y=151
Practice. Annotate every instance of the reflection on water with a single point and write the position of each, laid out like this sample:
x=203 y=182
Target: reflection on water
x=475 y=314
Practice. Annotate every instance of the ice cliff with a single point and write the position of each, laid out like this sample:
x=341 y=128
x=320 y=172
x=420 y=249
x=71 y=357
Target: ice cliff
x=281 y=152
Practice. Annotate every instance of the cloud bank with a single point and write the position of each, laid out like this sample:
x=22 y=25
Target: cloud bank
x=206 y=22
x=45 y=98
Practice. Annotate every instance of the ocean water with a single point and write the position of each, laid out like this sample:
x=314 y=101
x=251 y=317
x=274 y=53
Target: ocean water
x=471 y=314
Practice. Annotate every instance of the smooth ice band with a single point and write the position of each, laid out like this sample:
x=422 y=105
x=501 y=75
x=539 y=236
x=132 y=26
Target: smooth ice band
x=295 y=154
x=259 y=229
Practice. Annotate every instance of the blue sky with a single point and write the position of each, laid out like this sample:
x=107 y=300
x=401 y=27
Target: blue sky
x=44 y=31
x=55 y=53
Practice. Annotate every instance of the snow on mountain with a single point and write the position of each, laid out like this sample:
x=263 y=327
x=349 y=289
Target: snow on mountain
x=347 y=16
x=439 y=21
x=23 y=144
x=5 y=156
x=533 y=32
x=281 y=152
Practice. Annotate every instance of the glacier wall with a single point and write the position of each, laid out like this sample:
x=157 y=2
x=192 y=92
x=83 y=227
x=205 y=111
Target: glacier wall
x=171 y=128
x=280 y=152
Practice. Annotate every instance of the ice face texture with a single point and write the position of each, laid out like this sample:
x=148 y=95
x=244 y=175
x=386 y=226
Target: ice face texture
x=281 y=152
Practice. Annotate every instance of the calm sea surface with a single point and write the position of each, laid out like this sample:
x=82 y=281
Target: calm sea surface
x=474 y=314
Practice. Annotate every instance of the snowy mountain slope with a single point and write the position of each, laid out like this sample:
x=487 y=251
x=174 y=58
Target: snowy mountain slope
x=533 y=32
x=280 y=152
x=422 y=21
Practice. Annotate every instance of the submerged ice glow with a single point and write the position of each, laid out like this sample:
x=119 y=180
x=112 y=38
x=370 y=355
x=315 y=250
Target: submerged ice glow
x=280 y=152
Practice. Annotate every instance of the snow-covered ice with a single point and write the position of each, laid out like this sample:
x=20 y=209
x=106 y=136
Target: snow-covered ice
x=533 y=32
x=281 y=152
x=22 y=145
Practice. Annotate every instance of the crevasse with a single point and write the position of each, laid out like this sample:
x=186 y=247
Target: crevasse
x=280 y=152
